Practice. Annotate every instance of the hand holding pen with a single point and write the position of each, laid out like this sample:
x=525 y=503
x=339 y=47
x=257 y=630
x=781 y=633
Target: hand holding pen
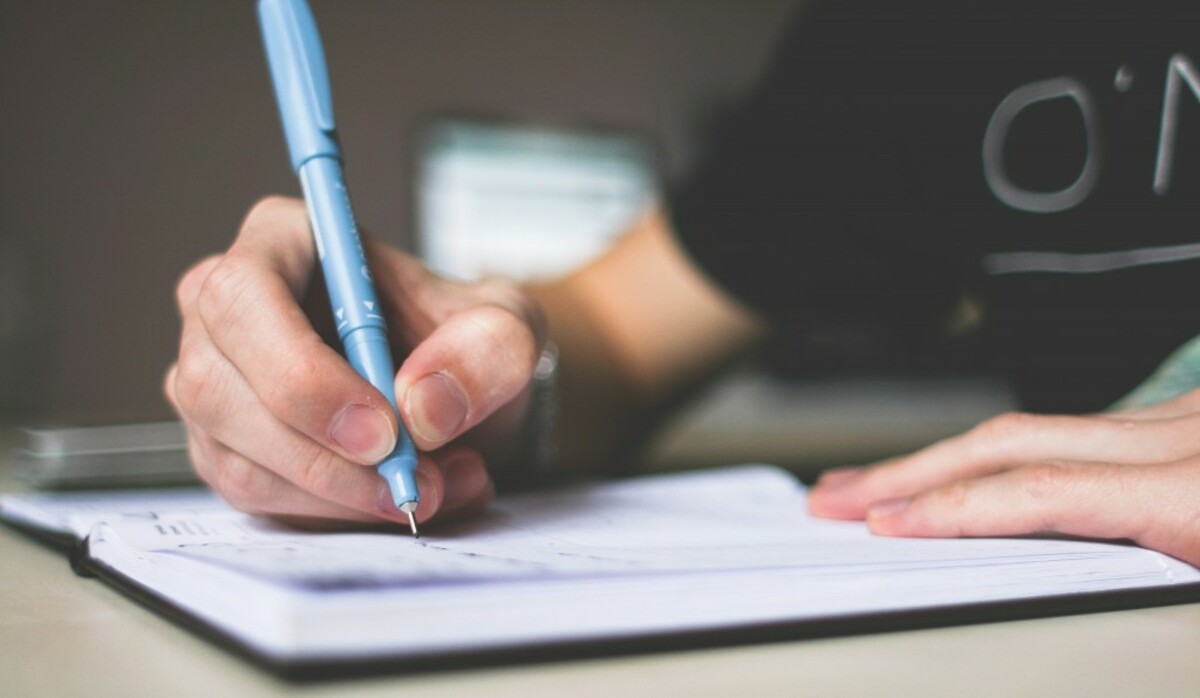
x=278 y=421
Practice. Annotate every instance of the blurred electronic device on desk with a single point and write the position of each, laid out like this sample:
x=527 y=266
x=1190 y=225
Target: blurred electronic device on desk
x=144 y=454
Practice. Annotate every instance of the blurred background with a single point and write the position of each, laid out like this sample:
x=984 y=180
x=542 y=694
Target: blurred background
x=134 y=135
x=507 y=137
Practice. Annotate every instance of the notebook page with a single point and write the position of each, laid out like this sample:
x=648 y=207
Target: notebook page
x=668 y=553
x=76 y=512
x=733 y=519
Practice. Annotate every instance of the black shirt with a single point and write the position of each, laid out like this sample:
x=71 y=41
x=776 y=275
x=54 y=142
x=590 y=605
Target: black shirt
x=899 y=155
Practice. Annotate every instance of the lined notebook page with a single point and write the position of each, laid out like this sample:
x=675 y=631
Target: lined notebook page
x=665 y=554
x=74 y=513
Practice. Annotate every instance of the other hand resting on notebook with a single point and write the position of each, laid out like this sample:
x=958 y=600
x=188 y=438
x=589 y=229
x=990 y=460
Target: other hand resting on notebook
x=1131 y=474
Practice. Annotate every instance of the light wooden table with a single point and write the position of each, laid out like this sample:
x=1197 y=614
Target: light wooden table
x=61 y=635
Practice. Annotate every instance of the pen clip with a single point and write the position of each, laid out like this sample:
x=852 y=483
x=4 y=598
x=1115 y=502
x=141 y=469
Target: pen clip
x=300 y=77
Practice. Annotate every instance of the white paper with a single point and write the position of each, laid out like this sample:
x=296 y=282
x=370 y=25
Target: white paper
x=651 y=555
x=76 y=512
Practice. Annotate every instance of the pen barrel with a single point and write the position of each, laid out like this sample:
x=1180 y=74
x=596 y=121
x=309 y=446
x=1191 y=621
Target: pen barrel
x=296 y=60
x=297 y=63
x=343 y=262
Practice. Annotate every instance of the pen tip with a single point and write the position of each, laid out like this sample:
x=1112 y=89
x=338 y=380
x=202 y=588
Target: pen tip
x=412 y=523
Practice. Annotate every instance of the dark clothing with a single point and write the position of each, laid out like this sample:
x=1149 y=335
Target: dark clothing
x=901 y=154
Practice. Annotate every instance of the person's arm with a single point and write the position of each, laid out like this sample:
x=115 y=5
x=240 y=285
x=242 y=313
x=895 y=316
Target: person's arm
x=634 y=328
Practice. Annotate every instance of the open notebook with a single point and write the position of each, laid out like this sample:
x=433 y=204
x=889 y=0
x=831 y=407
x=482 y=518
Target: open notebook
x=677 y=560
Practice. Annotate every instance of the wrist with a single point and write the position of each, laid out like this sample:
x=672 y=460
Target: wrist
x=533 y=459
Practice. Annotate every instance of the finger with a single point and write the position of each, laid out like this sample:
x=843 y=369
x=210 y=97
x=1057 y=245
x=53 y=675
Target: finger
x=468 y=487
x=190 y=283
x=475 y=345
x=1003 y=443
x=257 y=438
x=463 y=507
x=220 y=408
x=1152 y=505
x=276 y=234
x=169 y=388
x=414 y=299
x=248 y=310
x=220 y=404
x=420 y=300
x=251 y=488
x=1180 y=406
x=213 y=389
x=254 y=489
x=476 y=361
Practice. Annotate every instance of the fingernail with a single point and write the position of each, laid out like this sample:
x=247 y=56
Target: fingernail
x=888 y=507
x=437 y=407
x=465 y=478
x=363 y=433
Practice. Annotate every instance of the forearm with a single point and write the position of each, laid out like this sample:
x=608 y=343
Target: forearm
x=633 y=329
x=597 y=399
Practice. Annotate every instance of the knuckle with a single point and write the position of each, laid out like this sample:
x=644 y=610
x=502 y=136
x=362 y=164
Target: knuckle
x=226 y=284
x=320 y=474
x=1001 y=435
x=168 y=385
x=952 y=496
x=268 y=208
x=508 y=334
x=187 y=289
x=511 y=297
x=1005 y=425
x=1046 y=482
x=297 y=382
x=193 y=379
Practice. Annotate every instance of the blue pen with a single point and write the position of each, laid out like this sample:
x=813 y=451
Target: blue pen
x=301 y=81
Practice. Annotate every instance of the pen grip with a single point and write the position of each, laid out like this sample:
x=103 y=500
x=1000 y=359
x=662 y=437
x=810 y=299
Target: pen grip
x=356 y=310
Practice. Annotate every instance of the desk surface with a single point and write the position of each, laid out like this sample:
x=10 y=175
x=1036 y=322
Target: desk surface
x=68 y=636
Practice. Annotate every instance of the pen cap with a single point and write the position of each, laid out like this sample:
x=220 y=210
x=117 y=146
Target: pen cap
x=297 y=64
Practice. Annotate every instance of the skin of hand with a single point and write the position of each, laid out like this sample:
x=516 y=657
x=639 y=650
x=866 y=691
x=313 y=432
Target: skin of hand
x=1132 y=474
x=280 y=424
